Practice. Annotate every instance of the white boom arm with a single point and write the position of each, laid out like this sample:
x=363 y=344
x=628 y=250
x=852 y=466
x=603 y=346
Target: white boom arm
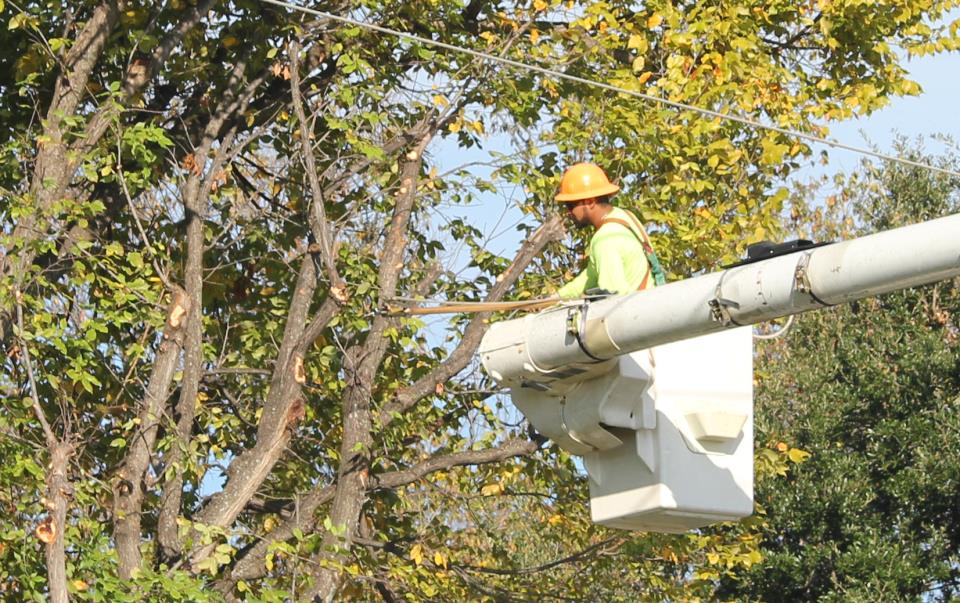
x=564 y=344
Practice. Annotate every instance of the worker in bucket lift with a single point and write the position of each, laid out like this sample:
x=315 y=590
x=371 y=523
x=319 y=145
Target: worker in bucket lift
x=620 y=257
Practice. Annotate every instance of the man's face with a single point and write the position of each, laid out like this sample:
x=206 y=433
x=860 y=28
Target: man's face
x=577 y=212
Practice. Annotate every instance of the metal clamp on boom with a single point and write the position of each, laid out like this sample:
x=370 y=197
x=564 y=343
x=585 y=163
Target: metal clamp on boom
x=577 y=326
x=801 y=280
x=719 y=305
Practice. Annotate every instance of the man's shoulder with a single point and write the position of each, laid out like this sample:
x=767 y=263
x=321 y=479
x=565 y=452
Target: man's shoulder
x=618 y=221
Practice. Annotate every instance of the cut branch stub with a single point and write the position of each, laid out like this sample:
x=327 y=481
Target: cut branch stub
x=46 y=531
x=299 y=372
x=178 y=308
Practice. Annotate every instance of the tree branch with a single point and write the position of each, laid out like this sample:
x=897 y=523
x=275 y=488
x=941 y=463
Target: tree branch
x=51 y=530
x=58 y=491
x=167 y=530
x=509 y=449
x=461 y=356
x=138 y=76
x=361 y=367
x=129 y=489
x=318 y=215
x=48 y=434
x=282 y=409
x=250 y=565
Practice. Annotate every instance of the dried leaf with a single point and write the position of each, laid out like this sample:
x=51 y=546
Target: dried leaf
x=191 y=164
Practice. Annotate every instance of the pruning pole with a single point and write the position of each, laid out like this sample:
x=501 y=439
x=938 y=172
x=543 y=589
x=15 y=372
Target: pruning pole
x=529 y=305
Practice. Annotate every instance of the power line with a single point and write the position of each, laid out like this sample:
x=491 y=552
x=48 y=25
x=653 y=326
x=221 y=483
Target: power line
x=647 y=97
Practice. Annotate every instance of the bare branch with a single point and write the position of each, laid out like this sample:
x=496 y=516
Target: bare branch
x=407 y=397
x=318 y=215
x=250 y=565
x=282 y=409
x=81 y=59
x=37 y=409
x=609 y=544
x=509 y=449
x=138 y=75
x=59 y=491
x=129 y=489
x=167 y=529
x=362 y=365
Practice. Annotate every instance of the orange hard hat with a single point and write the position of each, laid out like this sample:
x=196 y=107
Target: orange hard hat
x=584 y=181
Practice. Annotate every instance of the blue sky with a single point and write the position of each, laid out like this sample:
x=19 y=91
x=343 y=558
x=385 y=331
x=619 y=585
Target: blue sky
x=935 y=111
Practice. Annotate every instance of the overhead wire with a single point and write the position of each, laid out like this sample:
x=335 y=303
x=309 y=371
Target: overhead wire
x=610 y=87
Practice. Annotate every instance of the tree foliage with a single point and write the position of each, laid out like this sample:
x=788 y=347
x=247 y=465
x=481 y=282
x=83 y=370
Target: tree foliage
x=210 y=208
x=871 y=390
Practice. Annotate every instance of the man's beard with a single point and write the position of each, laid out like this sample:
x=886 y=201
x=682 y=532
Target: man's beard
x=580 y=223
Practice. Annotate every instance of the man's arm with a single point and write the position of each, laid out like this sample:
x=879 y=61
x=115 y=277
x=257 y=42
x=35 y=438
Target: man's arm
x=575 y=288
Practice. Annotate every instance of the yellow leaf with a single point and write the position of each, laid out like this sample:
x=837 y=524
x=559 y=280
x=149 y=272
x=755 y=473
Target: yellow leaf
x=539 y=5
x=455 y=126
x=534 y=36
x=654 y=21
x=440 y=100
x=491 y=489
x=798 y=456
x=646 y=75
x=416 y=554
x=555 y=519
x=80 y=585
x=440 y=560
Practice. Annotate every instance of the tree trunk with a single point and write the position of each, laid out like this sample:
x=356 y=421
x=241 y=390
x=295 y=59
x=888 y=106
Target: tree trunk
x=59 y=492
